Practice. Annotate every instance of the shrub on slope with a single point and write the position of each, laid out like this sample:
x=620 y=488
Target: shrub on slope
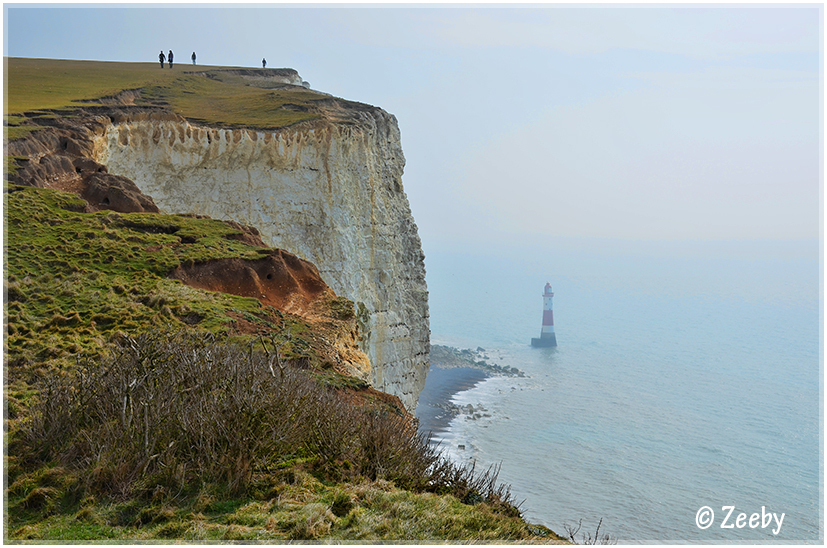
x=174 y=417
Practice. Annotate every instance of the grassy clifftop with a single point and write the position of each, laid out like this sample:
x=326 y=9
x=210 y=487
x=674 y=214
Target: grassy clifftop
x=139 y=407
x=216 y=96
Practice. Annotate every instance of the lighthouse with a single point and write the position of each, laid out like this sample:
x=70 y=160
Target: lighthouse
x=547 y=337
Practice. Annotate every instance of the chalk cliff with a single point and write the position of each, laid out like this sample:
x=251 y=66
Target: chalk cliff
x=329 y=190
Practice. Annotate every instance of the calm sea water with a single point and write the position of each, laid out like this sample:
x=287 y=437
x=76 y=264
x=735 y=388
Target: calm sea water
x=687 y=375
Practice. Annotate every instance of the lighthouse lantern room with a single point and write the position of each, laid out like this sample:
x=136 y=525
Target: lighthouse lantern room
x=547 y=337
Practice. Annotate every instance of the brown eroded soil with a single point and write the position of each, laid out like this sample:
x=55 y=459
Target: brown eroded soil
x=280 y=280
x=61 y=157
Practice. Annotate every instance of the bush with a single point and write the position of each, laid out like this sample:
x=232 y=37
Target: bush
x=169 y=412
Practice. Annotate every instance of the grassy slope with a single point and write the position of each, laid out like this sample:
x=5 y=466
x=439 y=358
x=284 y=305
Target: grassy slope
x=38 y=85
x=76 y=281
x=305 y=509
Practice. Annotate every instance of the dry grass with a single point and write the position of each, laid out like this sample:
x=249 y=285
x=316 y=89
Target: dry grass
x=171 y=411
x=74 y=281
x=184 y=436
x=306 y=511
x=175 y=431
x=38 y=86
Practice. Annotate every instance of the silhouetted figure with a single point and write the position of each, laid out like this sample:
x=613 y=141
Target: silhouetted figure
x=161 y=58
x=264 y=63
x=169 y=58
x=193 y=57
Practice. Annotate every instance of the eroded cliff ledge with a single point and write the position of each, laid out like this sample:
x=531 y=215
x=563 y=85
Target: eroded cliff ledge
x=328 y=190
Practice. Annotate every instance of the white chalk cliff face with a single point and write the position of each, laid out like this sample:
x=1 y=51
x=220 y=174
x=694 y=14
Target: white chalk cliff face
x=327 y=191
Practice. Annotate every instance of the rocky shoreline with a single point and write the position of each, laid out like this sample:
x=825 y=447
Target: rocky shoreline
x=446 y=357
x=452 y=371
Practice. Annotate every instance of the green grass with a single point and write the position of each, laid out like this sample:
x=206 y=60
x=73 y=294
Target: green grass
x=77 y=280
x=294 y=505
x=14 y=130
x=38 y=84
x=18 y=132
x=185 y=437
x=220 y=99
x=213 y=102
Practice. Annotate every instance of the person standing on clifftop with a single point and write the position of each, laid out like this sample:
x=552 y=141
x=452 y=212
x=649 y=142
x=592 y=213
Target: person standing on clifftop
x=193 y=58
x=169 y=57
x=161 y=58
x=264 y=63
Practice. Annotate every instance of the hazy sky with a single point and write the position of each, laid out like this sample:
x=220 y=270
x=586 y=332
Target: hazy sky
x=644 y=122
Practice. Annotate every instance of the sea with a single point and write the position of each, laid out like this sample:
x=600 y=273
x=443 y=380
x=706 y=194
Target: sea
x=686 y=388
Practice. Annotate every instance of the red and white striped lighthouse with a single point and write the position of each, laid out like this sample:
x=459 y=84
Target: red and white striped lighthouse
x=547 y=337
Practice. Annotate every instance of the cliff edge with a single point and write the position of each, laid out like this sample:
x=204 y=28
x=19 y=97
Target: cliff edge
x=321 y=178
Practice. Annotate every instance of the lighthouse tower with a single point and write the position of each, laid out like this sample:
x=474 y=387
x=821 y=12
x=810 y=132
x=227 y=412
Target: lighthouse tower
x=547 y=337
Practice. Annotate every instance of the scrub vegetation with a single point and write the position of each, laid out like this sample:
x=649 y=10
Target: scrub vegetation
x=139 y=408
x=135 y=411
x=191 y=437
